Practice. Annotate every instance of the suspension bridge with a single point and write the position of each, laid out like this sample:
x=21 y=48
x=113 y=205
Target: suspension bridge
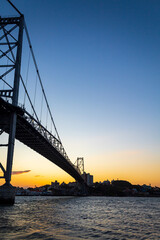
x=20 y=117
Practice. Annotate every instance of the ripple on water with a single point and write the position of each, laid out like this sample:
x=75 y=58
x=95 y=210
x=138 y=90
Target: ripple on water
x=81 y=218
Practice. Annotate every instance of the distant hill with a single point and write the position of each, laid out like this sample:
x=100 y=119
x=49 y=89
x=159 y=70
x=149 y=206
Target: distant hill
x=121 y=184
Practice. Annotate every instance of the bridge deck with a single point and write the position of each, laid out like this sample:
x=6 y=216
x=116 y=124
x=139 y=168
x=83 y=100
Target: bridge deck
x=28 y=134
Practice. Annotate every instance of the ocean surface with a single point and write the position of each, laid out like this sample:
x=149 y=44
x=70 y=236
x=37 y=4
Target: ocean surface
x=81 y=218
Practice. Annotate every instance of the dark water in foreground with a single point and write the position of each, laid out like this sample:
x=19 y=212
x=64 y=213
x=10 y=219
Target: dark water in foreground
x=81 y=218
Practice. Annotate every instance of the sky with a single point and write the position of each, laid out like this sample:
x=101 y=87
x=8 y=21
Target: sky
x=100 y=66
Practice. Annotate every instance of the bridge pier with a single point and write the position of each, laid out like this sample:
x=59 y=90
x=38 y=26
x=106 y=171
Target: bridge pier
x=7 y=194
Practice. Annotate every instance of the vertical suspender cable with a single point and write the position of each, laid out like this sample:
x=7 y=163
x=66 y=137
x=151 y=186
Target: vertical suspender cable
x=26 y=78
x=51 y=127
x=46 y=118
x=35 y=91
x=41 y=108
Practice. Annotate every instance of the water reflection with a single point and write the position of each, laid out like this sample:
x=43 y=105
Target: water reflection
x=81 y=218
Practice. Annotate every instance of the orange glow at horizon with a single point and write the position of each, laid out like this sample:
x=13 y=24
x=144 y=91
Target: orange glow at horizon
x=134 y=166
x=32 y=181
x=129 y=166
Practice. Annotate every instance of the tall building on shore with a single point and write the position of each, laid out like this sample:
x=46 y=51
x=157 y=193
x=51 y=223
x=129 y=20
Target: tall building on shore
x=88 y=178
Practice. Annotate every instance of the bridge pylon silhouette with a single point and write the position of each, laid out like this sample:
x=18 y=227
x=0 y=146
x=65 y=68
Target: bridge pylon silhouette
x=14 y=119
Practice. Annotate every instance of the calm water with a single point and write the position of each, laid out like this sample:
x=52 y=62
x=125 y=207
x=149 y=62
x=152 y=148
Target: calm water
x=81 y=218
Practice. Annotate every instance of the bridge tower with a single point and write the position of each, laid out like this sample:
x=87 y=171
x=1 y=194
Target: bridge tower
x=13 y=46
x=80 y=164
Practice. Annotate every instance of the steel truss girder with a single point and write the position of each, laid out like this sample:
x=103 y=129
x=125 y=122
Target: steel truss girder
x=37 y=137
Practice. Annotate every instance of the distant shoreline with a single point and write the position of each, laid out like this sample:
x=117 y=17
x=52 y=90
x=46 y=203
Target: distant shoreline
x=117 y=188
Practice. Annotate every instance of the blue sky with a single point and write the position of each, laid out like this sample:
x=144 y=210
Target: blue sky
x=100 y=65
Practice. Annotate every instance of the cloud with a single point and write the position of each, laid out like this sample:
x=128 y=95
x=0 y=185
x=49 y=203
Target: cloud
x=20 y=172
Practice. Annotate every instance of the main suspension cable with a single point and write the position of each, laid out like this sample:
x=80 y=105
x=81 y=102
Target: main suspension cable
x=34 y=60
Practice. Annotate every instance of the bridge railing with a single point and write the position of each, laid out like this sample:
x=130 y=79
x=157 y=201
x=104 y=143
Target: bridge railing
x=48 y=136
